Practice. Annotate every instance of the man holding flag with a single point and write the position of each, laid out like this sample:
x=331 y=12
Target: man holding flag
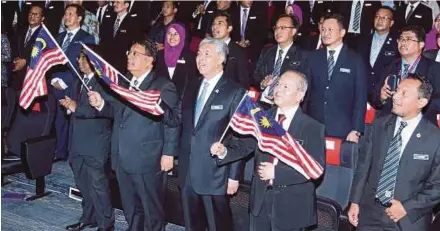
x=143 y=142
x=283 y=192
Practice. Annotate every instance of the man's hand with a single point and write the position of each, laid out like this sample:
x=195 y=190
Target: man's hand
x=217 y=149
x=267 y=81
x=353 y=137
x=266 y=171
x=159 y=46
x=95 y=99
x=200 y=9
x=68 y=103
x=385 y=91
x=19 y=64
x=232 y=187
x=243 y=43
x=166 y=163
x=396 y=211
x=353 y=214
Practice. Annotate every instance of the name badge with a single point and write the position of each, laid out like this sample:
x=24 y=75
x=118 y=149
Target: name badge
x=420 y=157
x=216 y=107
x=320 y=2
x=418 y=16
x=134 y=15
x=345 y=70
x=107 y=16
x=181 y=61
x=390 y=53
x=50 y=7
x=28 y=3
x=367 y=4
x=253 y=17
x=123 y=31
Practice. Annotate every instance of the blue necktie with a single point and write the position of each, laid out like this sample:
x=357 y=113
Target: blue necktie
x=243 y=24
x=67 y=42
x=357 y=16
x=405 y=71
x=200 y=102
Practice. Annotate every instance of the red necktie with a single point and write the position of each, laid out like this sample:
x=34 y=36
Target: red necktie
x=281 y=118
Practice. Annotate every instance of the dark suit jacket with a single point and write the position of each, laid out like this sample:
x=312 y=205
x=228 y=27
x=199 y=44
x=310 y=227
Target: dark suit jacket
x=140 y=139
x=140 y=12
x=309 y=43
x=388 y=53
x=89 y=134
x=114 y=48
x=9 y=9
x=339 y=101
x=195 y=160
x=184 y=74
x=421 y=16
x=280 y=7
x=369 y=9
x=108 y=14
x=237 y=65
x=320 y=8
x=431 y=54
x=53 y=15
x=209 y=12
x=295 y=59
x=418 y=181
x=21 y=50
x=291 y=189
x=427 y=68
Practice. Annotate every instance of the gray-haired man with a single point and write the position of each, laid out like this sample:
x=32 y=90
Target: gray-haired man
x=207 y=109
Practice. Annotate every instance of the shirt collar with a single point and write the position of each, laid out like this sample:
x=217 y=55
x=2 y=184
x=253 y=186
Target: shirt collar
x=411 y=122
x=289 y=113
x=90 y=76
x=380 y=37
x=34 y=29
x=121 y=18
x=213 y=81
x=140 y=79
x=285 y=49
x=415 y=4
x=74 y=31
x=337 y=50
x=227 y=41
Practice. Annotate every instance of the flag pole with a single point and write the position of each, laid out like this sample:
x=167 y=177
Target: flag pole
x=229 y=124
x=125 y=78
x=71 y=65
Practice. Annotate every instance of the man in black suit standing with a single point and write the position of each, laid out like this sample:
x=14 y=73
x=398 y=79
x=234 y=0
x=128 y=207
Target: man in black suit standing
x=410 y=45
x=379 y=48
x=89 y=150
x=201 y=16
x=237 y=63
x=414 y=13
x=22 y=46
x=143 y=145
x=397 y=181
x=274 y=204
x=338 y=93
x=277 y=59
x=118 y=34
x=207 y=109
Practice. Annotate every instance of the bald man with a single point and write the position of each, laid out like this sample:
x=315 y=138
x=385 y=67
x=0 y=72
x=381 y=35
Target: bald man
x=277 y=189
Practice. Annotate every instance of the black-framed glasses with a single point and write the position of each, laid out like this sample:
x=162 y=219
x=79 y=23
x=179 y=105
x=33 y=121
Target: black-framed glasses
x=134 y=53
x=405 y=40
x=282 y=27
x=378 y=17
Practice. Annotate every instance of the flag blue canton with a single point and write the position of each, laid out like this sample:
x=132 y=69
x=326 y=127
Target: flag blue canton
x=42 y=44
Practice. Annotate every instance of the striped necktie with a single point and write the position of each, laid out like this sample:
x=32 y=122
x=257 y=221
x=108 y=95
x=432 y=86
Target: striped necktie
x=67 y=42
x=116 y=27
x=405 y=71
x=200 y=102
x=243 y=24
x=387 y=180
x=276 y=72
x=357 y=16
x=331 y=62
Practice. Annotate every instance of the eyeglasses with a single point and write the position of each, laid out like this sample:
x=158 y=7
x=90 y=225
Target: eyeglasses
x=405 y=40
x=282 y=27
x=134 y=53
x=377 y=17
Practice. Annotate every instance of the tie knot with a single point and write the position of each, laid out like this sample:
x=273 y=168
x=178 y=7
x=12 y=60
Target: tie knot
x=406 y=66
x=245 y=10
x=281 y=118
x=403 y=124
x=135 y=83
x=69 y=34
x=331 y=52
x=281 y=52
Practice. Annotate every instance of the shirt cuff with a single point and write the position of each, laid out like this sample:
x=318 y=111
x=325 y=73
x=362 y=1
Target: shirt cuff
x=223 y=155
x=232 y=181
x=102 y=106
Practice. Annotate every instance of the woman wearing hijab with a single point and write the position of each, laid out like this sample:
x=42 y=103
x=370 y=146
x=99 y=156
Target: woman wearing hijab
x=174 y=60
x=431 y=37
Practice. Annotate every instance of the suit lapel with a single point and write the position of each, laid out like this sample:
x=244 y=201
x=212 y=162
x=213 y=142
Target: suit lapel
x=387 y=136
x=296 y=124
x=341 y=59
x=422 y=67
x=146 y=83
x=211 y=98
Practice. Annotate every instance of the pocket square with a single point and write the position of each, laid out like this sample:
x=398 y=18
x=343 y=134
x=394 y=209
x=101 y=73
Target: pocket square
x=253 y=17
x=367 y=4
x=133 y=15
x=216 y=107
x=390 y=53
x=123 y=31
x=418 y=16
x=210 y=11
x=345 y=70
x=107 y=16
x=50 y=7
x=182 y=61
x=420 y=157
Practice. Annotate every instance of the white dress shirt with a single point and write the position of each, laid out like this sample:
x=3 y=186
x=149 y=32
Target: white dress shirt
x=74 y=31
x=319 y=42
x=437 y=59
x=353 y=14
x=408 y=130
x=121 y=18
x=212 y=83
x=337 y=51
x=171 y=71
x=408 y=8
x=101 y=10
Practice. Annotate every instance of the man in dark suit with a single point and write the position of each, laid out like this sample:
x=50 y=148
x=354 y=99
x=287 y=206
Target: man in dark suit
x=103 y=9
x=17 y=10
x=207 y=109
x=22 y=45
x=380 y=48
x=143 y=146
x=358 y=18
x=63 y=78
x=414 y=13
x=54 y=11
x=397 y=180
x=277 y=59
x=434 y=54
x=338 y=94
x=118 y=34
x=274 y=204
x=410 y=45
x=223 y=6
x=250 y=23
x=200 y=17
x=237 y=64
x=89 y=150
x=142 y=12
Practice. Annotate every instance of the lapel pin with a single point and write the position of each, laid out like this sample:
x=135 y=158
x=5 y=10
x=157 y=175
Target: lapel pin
x=216 y=90
x=418 y=135
x=388 y=42
x=287 y=57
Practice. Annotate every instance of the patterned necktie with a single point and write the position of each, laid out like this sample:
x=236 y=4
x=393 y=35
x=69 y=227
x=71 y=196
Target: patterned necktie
x=375 y=48
x=99 y=14
x=116 y=27
x=67 y=42
x=28 y=36
x=86 y=82
x=387 y=180
x=331 y=62
x=276 y=72
x=200 y=102
x=405 y=71
x=243 y=24
x=409 y=13
x=357 y=16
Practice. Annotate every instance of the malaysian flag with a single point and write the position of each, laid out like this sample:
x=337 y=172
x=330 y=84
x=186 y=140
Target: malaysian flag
x=45 y=54
x=144 y=100
x=250 y=119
